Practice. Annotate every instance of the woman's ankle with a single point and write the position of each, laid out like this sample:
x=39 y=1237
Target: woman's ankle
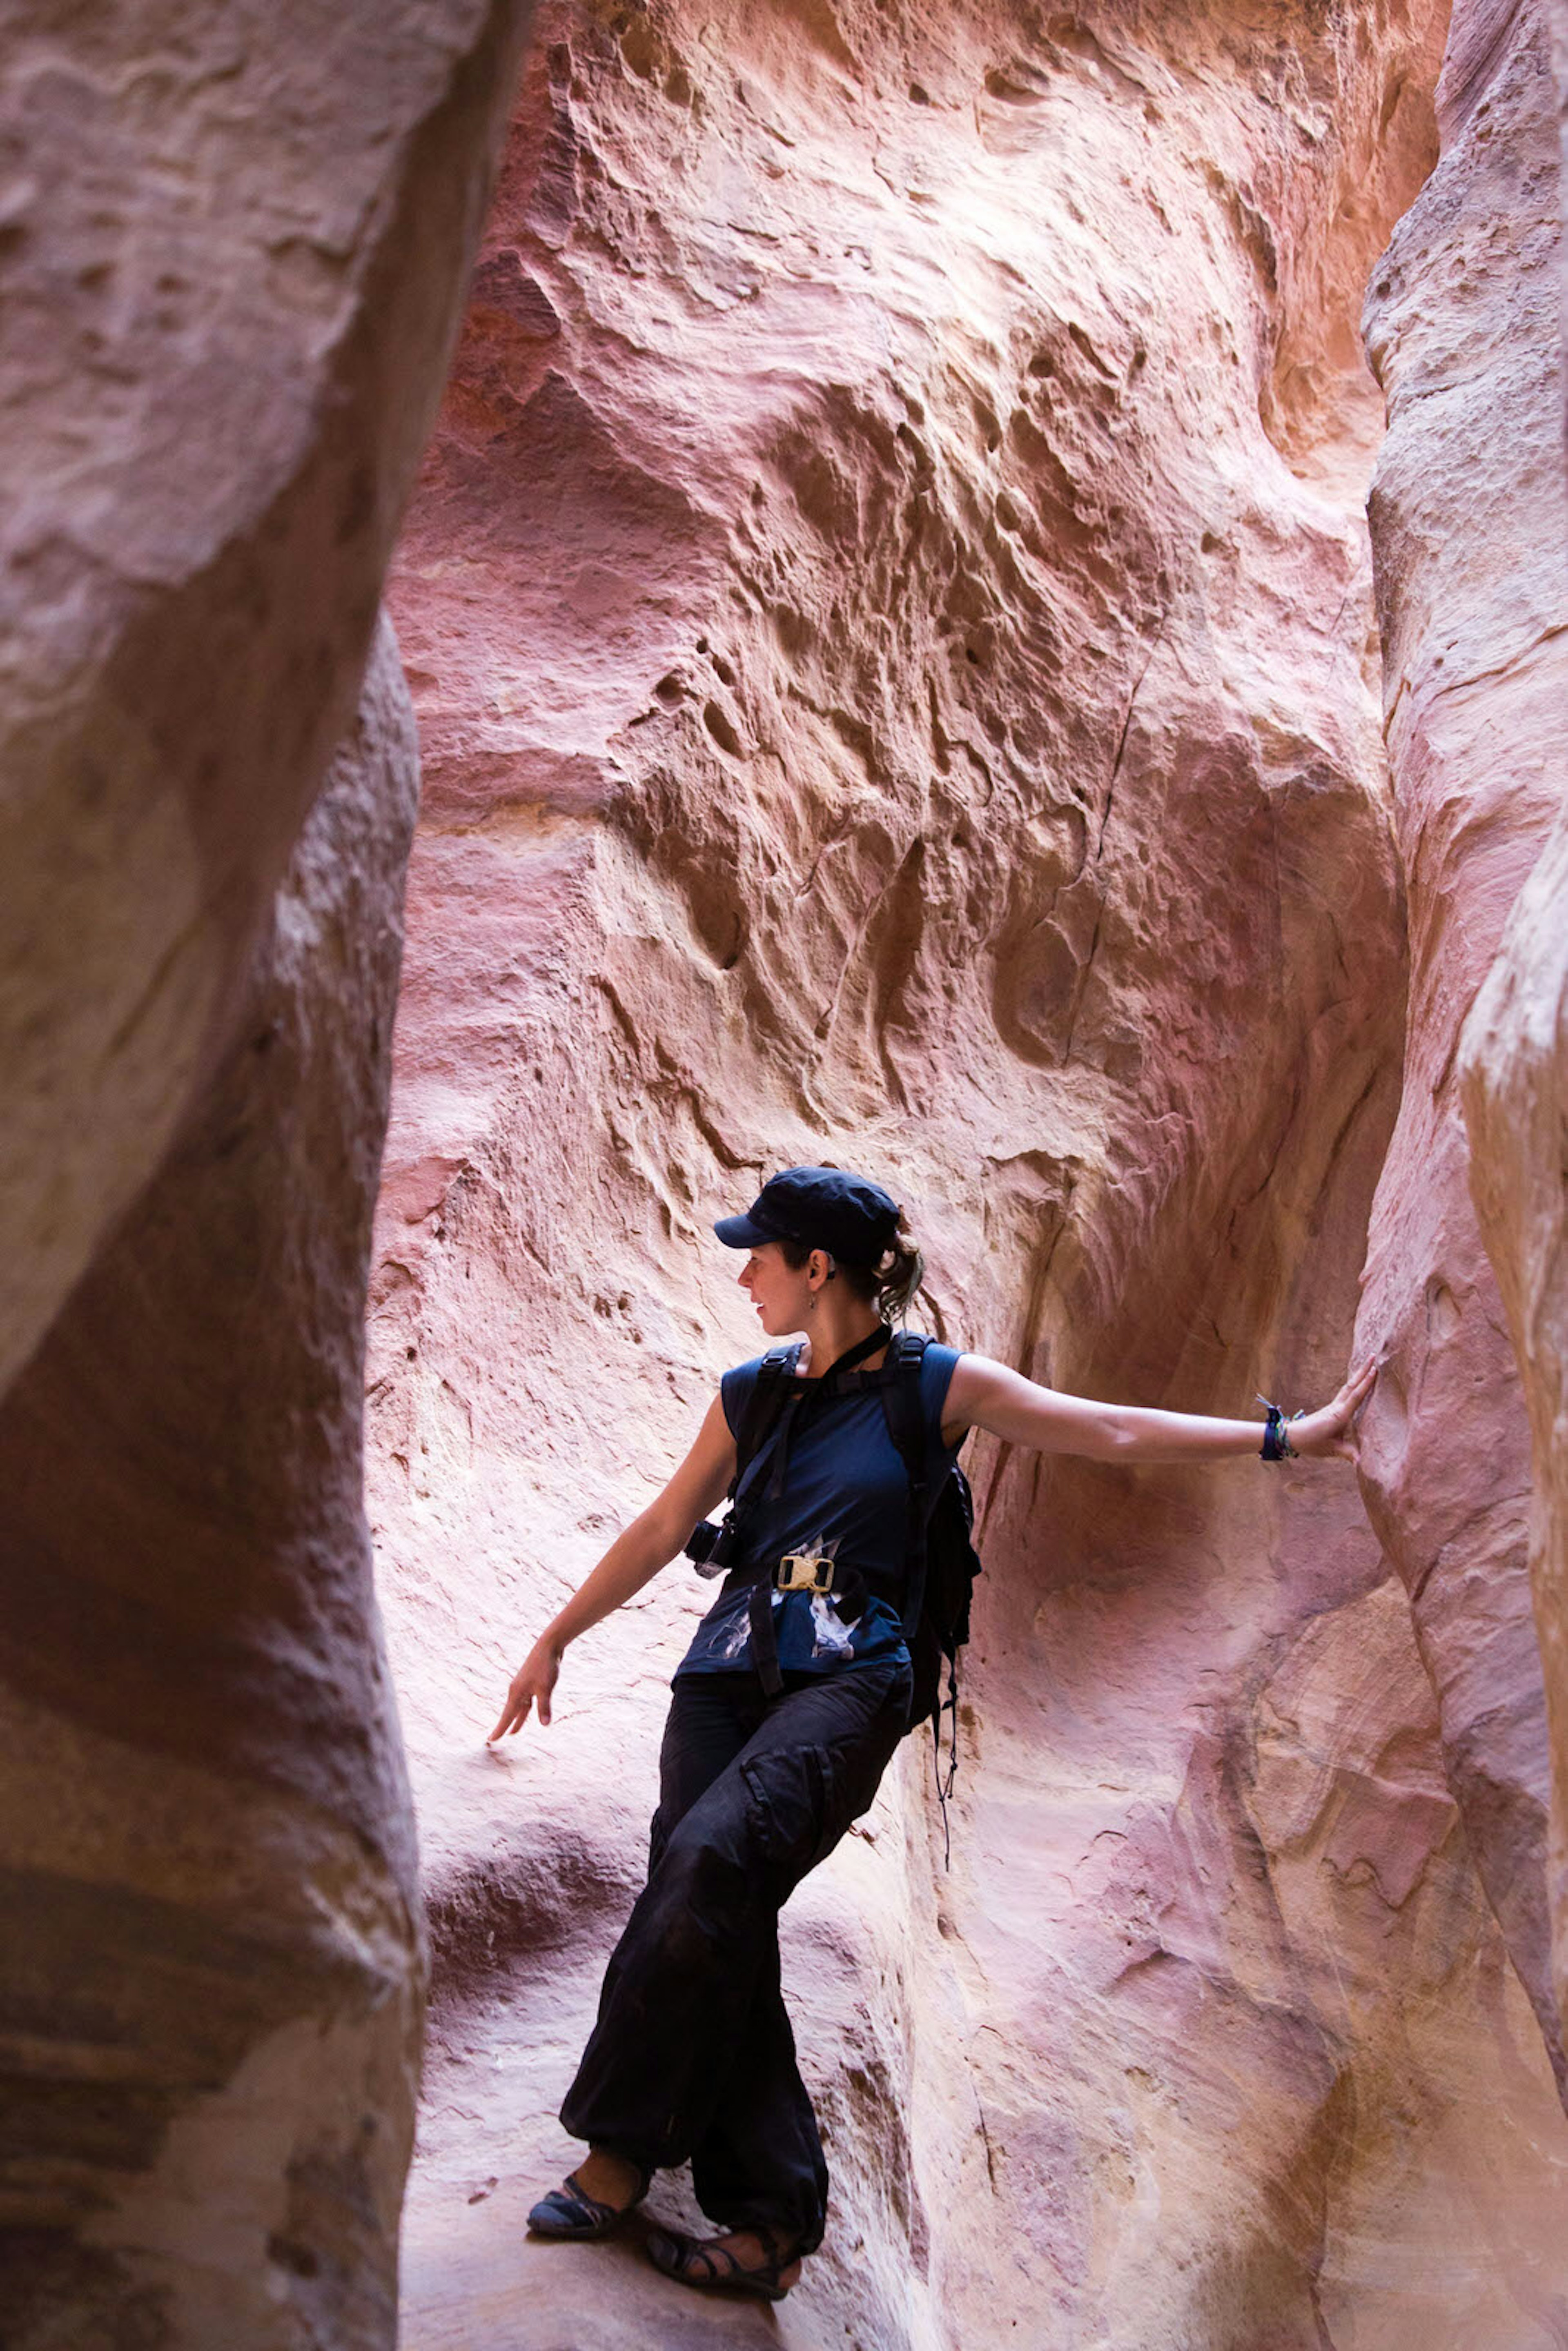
x=609 y=2178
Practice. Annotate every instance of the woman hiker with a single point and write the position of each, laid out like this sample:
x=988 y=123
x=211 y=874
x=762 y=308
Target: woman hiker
x=786 y=1710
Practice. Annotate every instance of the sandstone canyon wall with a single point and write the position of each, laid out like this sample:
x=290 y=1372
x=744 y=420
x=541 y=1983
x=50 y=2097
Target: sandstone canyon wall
x=234 y=257
x=1514 y=1063
x=889 y=610
x=234 y=254
x=1470 y=521
x=891 y=618
x=211 y=1947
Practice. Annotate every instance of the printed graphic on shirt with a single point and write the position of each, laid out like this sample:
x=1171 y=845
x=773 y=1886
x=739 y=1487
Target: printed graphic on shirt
x=846 y=1493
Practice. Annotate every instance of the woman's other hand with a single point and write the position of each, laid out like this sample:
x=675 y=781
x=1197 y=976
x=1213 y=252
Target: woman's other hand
x=1328 y=1434
x=532 y=1683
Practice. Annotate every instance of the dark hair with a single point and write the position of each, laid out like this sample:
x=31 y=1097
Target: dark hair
x=889 y=1285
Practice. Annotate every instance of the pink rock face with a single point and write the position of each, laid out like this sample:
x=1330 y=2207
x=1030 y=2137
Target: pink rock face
x=211 y=1976
x=888 y=608
x=1514 y=1076
x=234 y=251
x=1470 y=521
x=1515 y=1080
x=234 y=257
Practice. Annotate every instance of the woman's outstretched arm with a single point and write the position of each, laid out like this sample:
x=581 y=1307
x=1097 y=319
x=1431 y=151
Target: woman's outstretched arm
x=984 y=1395
x=632 y=1559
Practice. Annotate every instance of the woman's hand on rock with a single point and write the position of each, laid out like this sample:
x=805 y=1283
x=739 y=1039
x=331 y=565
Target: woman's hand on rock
x=532 y=1683
x=1327 y=1433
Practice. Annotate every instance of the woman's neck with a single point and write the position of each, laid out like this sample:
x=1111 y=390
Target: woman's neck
x=836 y=1327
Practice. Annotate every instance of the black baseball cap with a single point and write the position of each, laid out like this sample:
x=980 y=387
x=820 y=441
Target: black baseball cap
x=819 y=1208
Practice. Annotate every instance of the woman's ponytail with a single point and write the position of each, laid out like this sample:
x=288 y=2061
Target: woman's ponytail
x=898 y=1276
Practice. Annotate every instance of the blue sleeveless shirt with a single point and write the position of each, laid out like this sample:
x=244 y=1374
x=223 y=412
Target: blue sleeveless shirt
x=846 y=1487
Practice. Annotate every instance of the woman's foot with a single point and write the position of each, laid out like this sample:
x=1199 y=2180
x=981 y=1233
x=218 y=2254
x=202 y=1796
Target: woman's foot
x=749 y=2261
x=593 y=2199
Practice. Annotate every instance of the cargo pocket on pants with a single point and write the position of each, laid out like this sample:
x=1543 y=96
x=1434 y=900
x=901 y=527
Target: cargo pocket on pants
x=798 y=1809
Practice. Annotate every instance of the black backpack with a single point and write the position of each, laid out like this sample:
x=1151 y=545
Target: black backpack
x=940 y=1560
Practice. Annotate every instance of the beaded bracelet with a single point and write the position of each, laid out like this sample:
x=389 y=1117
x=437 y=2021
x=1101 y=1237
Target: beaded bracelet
x=1277 y=1445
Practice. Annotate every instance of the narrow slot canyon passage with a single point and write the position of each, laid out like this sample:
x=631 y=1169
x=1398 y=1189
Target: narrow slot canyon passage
x=923 y=712
x=973 y=593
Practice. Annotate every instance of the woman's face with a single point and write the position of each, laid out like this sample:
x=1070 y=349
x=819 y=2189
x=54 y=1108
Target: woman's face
x=780 y=1295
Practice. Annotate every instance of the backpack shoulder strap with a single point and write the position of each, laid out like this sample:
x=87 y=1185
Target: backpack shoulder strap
x=759 y=1414
x=902 y=1404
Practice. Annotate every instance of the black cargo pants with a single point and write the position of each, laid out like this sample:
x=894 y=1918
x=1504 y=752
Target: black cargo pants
x=692 y=2055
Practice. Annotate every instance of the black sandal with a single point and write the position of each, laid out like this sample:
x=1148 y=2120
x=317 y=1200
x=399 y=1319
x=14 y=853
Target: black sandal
x=569 y=2211
x=721 y=2272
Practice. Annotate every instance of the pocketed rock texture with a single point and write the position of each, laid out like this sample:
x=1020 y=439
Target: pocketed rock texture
x=1469 y=518
x=890 y=613
x=232 y=249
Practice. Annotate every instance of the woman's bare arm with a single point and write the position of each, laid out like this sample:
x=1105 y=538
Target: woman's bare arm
x=985 y=1395
x=632 y=1559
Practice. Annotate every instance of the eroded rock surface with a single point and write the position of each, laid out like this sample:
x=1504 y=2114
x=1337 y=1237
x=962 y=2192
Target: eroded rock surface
x=1514 y=1073
x=234 y=257
x=211 y=1974
x=890 y=613
x=235 y=246
x=1469 y=519
x=1514 y=1076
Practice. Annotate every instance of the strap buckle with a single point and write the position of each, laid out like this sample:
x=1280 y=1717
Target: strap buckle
x=804 y=1571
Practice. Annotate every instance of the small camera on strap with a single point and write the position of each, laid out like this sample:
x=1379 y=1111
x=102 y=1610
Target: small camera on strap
x=708 y=1547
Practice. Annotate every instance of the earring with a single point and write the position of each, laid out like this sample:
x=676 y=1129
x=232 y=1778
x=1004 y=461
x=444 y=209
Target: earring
x=812 y=1303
